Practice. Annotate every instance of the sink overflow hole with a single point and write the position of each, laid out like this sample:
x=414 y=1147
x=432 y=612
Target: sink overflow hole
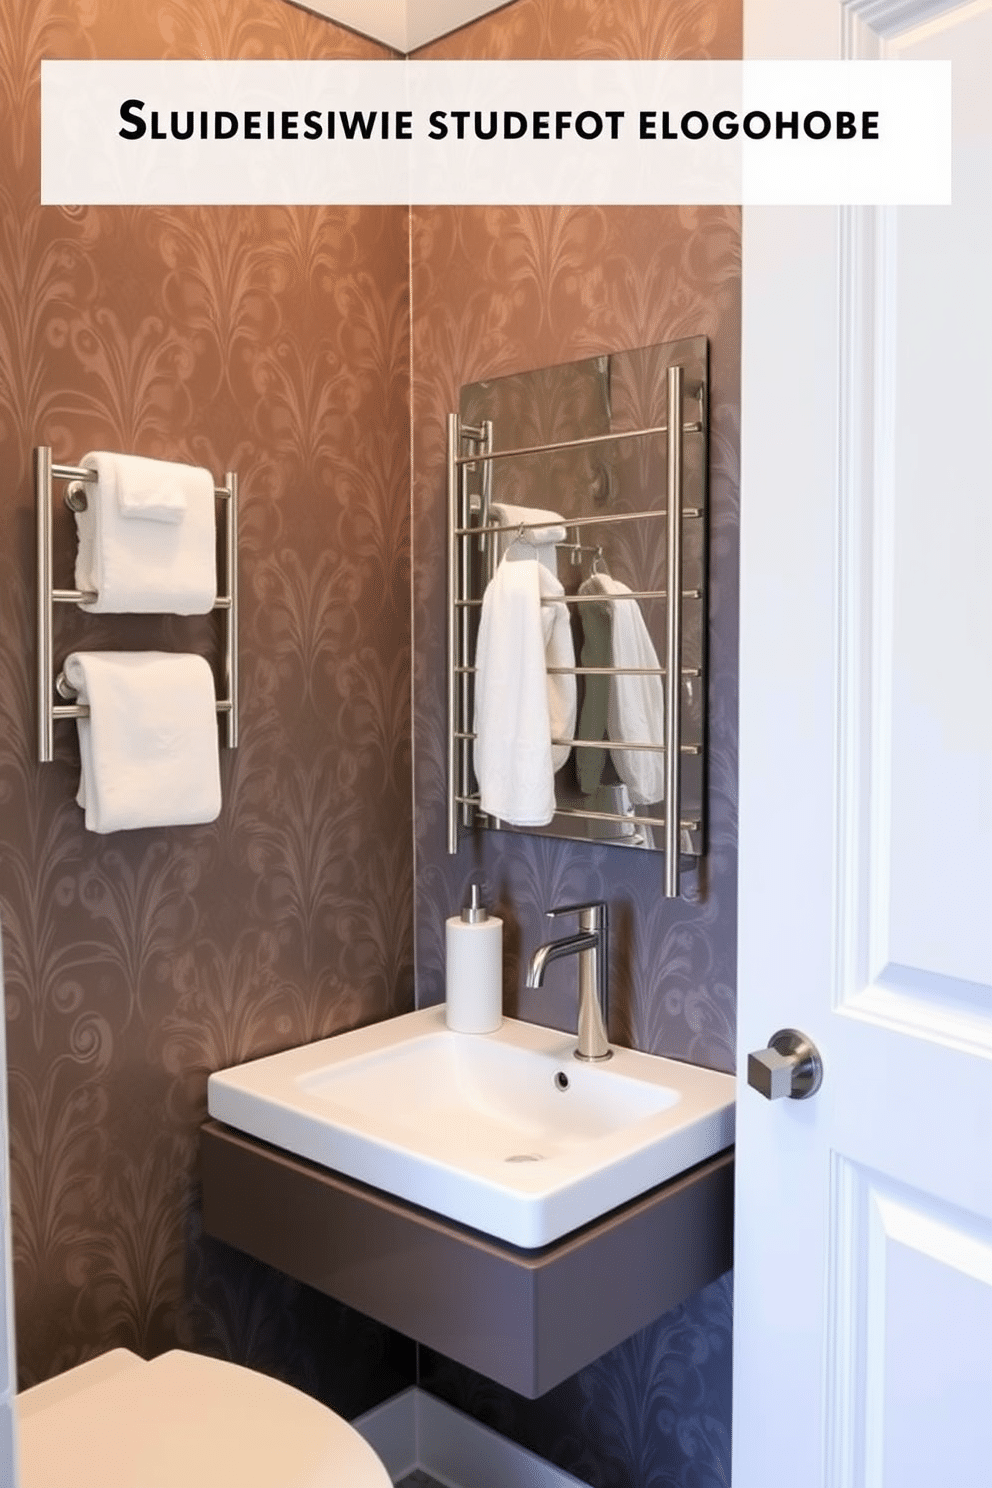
x=561 y=1080
x=525 y=1157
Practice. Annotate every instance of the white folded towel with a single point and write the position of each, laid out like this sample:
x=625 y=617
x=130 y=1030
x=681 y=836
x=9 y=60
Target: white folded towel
x=636 y=707
x=519 y=708
x=147 y=539
x=149 y=749
x=532 y=542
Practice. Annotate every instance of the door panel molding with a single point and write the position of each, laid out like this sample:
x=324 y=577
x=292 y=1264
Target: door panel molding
x=946 y=1009
x=843 y=1435
x=886 y=1236
x=872 y=974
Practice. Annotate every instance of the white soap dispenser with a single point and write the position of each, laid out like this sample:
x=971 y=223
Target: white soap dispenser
x=474 y=993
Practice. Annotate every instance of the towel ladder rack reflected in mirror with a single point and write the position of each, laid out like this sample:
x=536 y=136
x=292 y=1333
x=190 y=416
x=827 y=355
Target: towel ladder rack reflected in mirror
x=480 y=446
x=45 y=473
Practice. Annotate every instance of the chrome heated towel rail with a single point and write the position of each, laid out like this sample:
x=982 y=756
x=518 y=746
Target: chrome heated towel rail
x=45 y=473
x=470 y=522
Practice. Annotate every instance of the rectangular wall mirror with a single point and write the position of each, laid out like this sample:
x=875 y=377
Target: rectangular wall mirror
x=575 y=466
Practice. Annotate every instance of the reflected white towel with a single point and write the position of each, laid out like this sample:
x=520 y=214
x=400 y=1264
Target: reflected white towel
x=519 y=708
x=636 y=707
x=149 y=749
x=147 y=540
x=533 y=542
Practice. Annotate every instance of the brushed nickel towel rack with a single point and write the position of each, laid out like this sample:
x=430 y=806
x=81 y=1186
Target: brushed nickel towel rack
x=45 y=472
x=471 y=529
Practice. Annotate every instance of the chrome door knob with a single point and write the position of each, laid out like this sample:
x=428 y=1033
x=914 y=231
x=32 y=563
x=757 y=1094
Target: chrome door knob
x=791 y=1065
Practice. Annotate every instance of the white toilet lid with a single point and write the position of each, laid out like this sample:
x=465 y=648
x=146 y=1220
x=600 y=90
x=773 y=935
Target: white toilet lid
x=184 y=1421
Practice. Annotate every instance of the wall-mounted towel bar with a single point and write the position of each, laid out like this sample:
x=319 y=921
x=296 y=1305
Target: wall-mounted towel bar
x=690 y=827
x=617 y=437
x=474 y=548
x=612 y=519
x=581 y=599
x=604 y=671
x=573 y=743
x=45 y=473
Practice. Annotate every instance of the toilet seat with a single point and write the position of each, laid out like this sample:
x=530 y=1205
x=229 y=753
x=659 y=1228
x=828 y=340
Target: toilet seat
x=184 y=1421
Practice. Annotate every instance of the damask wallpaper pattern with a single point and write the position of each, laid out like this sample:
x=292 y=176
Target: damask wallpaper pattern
x=272 y=341
x=278 y=342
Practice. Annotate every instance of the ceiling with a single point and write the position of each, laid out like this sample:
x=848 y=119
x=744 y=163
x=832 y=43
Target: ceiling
x=403 y=24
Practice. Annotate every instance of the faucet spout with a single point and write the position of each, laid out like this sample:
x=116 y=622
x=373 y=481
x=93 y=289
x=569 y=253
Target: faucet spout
x=590 y=945
x=554 y=950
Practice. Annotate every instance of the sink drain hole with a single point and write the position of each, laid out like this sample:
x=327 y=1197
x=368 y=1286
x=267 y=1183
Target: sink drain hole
x=561 y=1080
x=525 y=1157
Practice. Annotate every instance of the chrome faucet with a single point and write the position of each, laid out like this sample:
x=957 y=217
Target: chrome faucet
x=590 y=945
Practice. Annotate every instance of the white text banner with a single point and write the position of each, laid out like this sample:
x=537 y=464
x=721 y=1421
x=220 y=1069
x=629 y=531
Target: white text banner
x=568 y=133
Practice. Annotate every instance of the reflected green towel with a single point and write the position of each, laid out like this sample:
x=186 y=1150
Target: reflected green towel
x=596 y=649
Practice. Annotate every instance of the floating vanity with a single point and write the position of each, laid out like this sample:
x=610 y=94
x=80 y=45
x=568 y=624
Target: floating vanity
x=489 y=1196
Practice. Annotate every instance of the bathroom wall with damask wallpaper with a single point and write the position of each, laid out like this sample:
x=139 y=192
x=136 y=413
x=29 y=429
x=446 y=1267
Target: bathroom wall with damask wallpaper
x=278 y=342
x=273 y=342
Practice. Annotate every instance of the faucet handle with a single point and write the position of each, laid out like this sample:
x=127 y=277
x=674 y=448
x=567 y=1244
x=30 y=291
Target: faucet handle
x=590 y=905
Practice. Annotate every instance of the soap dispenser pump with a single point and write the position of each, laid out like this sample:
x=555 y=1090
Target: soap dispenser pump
x=474 y=990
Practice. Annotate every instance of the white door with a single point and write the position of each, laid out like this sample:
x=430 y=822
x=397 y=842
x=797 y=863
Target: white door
x=863 y=1312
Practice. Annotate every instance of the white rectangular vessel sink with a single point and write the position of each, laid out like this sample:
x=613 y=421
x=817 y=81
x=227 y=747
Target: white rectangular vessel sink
x=506 y=1131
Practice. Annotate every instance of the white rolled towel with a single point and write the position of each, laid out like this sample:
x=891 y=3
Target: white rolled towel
x=147 y=538
x=519 y=708
x=149 y=749
x=530 y=542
